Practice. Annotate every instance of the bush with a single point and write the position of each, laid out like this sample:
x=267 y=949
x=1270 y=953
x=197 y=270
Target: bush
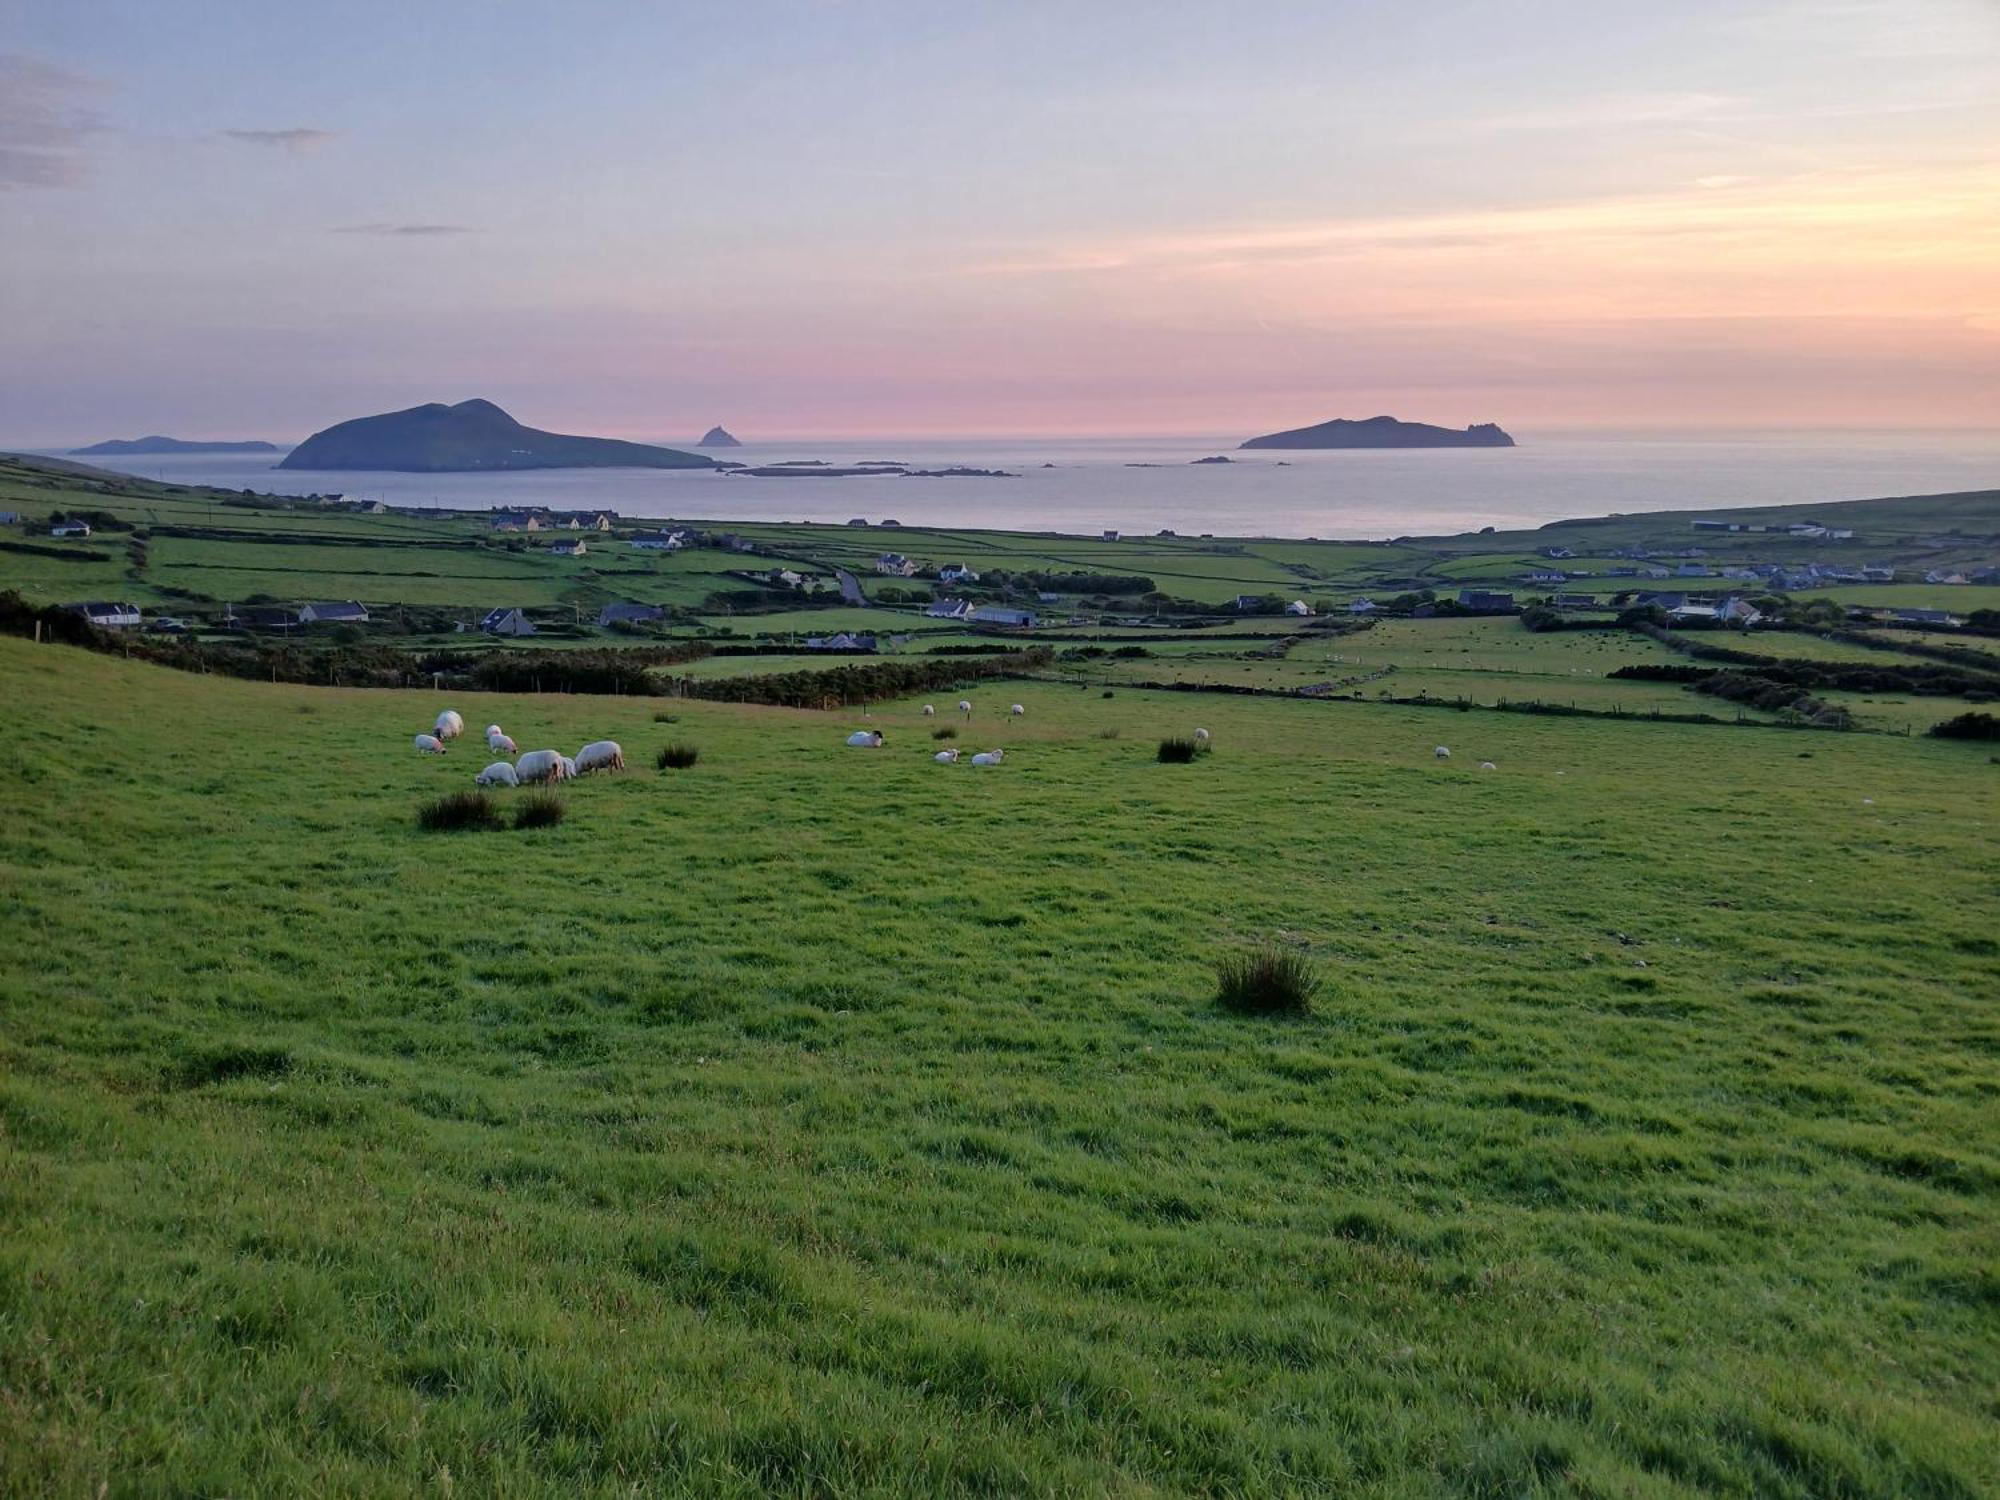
x=1968 y=727
x=664 y=718
x=1178 y=751
x=1108 y=693
x=1267 y=981
x=944 y=732
x=460 y=810
x=539 y=810
x=1108 y=734
x=677 y=757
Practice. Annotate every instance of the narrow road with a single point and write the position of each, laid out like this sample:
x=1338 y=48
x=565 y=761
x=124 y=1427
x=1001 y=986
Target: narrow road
x=850 y=587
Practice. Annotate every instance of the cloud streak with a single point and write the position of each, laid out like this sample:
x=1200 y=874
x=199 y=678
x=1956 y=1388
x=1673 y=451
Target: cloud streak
x=297 y=138
x=413 y=231
x=45 y=123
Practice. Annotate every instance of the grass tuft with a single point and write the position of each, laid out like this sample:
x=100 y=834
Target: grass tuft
x=459 y=811
x=539 y=810
x=1178 y=750
x=677 y=757
x=1267 y=981
x=945 y=732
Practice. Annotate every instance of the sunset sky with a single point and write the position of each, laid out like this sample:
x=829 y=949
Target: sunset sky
x=239 y=218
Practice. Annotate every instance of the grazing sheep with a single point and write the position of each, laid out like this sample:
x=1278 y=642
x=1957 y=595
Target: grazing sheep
x=1017 y=710
x=866 y=739
x=929 y=709
x=989 y=757
x=429 y=744
x=501 y=744
x=539 y=765
x=449 y=726
x=498 y=774
x=568 y=768
x=946 y=757
x=492 y=731
x=1441 y=753
x=965 y=707
x=1487 y=765
x=600 y=755
x=1201 y=735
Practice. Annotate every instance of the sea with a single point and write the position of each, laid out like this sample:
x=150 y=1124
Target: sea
x=1141 y=485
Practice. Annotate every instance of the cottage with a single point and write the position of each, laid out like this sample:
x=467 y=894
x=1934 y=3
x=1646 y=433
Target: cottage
x=994 y=614
x=515 y=520
x=507 y=622
x=1110 y=536
x=1923 y=616
x=70 y=528
x=10 y=518
x=786 y=578
x=843 y=641
x=107 y=615
x=957 y=573
x=1548 y=575
x=1668 y=602
x=334 y=612
x=1361 y=606
x=628 y=613
x=261 y=617
x=1738 y=612
x=661 y=541
x=576 y=548
x=948 y=609
x=1298 y=607
x=895 y=565
x=1484 y=602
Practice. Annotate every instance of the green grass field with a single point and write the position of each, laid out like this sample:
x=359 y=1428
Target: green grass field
x=821 y=1121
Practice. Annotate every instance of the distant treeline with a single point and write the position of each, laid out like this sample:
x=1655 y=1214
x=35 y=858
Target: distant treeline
x=1825 y=676
x=862 y=683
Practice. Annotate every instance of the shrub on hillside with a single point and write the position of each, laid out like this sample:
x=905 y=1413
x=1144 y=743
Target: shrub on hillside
x=944 y=732
x=1267 y=981
x=539 y=810
x=1969 y=726
x=677 y=757
x=458 y=811
x=1178 y=750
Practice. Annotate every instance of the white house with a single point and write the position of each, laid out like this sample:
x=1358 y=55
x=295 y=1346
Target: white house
x=575 y=548
x=948 y=609
x=70 y=528
x=507 y=622
x=1298 y=607
x=107 y=615
x=895 y=565
x=664 y=541
x=1362 y=606
x=957 y=573
x=1738 y=612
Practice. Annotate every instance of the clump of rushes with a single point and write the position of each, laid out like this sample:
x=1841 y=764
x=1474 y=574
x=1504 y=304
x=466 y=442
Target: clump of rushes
x=677 y=757
x=539 y=810
x=459 y=811
x=666 y=718
x=1267 y=981
x=1178 y=751
x=945 y=732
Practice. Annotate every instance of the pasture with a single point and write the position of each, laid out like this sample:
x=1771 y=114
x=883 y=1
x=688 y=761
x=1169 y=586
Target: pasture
x=828 y=1121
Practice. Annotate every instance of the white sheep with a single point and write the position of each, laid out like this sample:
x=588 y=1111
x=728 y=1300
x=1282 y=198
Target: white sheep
x=1201 y=735
x=866 y=739
x=568 y=768
x=449 y=726
x=497 y=774
x=539 y=765
x=1487 y=765
x=501 y=744
x=600 y=755
x=492 y=731
x=965 y=707
x=989 y=757
x=429 y=744
x=1442 y=753
x=946 y=757
x=1017 y=710
x=929 y=709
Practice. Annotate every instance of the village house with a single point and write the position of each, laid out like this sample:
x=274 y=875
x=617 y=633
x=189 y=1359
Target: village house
x=948 y=609
x=1484 y=602
x=107 y=615
x=1298 y=607
x=334 y=612
x=515 y=520
x=895 y=565
x=575 y=548
x=661 y=541
x=957 y=573
x=507 y=622
x=628 y=613
x=70 y=528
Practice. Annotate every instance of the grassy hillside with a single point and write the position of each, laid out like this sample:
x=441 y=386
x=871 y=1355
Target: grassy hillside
x=820 y=1121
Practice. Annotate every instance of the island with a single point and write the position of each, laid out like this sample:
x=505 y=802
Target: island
x=718 y=437
x=158 y=444
x=1383 y=432
x=469 y=437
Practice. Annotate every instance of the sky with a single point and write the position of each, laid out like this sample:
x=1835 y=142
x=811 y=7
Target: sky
x=254 y=218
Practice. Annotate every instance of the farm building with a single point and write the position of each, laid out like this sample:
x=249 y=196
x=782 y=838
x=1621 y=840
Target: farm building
x=844 y=641
x=333 y=612
x=1110 y=536
x=948 y=609
x=107 y=615
x=1298 y=607
x=661 y=541
x=507 y=622
x=576 y=548
x=70 y=528
x=1485 y=602
x=994 y=614
x=626 y=613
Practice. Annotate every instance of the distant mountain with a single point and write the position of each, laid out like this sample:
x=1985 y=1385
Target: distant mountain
x=471 y=436
x=718 y=437
x=171 y=445
x=1383 y=432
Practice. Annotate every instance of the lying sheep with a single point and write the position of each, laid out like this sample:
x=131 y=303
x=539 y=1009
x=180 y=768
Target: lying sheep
x=429 y=744
x=449 y=726
x=989 y=757
x=866 y=739
x=1487 y=765
x=946 y=757
x=1442 y=753
x=540 y=765
x=497 y=774
x=600 y=755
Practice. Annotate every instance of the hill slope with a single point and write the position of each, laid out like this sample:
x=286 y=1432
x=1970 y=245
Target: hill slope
x=1383 y=432
x=158 y=444
x=472 y=435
